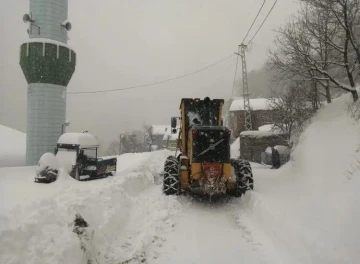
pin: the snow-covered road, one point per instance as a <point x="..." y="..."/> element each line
<point x="131" y="217"/>
<point x="212" y="233"/>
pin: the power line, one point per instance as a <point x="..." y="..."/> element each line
<point x="262" y="22"/>
<point x="254" y="20"/>
<point x="155" y="83"/>
<point x="257" y="15"/>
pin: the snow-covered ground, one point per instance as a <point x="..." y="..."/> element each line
<point x="13" y="147"/>
<point x="305" y="212"/>
<point x="309" y="207"/>
<point x="128" y="211"/>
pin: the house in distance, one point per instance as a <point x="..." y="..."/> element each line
<point x="254" y="143"/>
<point x="260" y="115"/>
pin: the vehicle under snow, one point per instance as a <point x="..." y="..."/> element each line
<point x="48" y="168"/>
<point x="77" y="153"/>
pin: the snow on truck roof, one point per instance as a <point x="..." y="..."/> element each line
<point x="84" y="140"/>
<point x="256" y="104"/>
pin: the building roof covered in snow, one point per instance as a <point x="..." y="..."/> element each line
<point x="257" y="133"/>
<point x="267" y="127"/>
<point x="160" y="129"/>
<point x="84" y="140"/>
<point x="256" y="104"/>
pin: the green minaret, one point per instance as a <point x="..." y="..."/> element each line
<point x="48" y="64"/>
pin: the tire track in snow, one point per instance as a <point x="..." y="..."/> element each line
<point x="211" y="233"/>
<point x="132" y="220"/>
<point x="150" y="216"/>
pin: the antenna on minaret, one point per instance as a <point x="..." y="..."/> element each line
<point x="246" y="95"/>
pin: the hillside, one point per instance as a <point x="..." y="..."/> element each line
<point x="310" y="206"/>
<point x="13" y="147"/>
<point x="259" y="83"/>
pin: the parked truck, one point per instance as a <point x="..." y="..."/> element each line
<point x="78" y="154"/>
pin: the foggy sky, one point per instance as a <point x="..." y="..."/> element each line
<point x="122" y="43"/>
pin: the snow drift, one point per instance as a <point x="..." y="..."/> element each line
<point x="310" y="206"/>
<point x="13" y="147"/>
<point x="127" y="215"/>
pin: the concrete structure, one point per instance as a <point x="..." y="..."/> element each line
<point x="48" y="64"/>
<point x="254" y="143"/>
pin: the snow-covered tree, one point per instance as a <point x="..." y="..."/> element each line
<point x="130" y="142"/>
<point x="114" y="148"/>
<point x="292" y="110"/>
<point x="149" y="136"/>
<point x="318" y="45"/>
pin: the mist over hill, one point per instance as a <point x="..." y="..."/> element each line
<point x="259" y="82"/>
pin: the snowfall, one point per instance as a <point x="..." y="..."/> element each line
<point x="305" y="212"/>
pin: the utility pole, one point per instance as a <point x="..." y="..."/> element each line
<point x="246" y="95"/>
<point x="120" y="144"/>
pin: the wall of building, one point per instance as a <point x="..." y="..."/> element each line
<point x="158" y="141"/>
<point x="258" y="118"/>
<point x="252" y="146"/>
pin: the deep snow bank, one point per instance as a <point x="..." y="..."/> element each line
<point x="310" y="206"/>
<point x="127" y="212"/>
<point x="13" y="147"/>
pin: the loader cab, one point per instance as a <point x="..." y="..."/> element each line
<point x="202" y="129"/>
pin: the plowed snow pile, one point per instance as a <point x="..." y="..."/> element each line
<point x="310" y="207"/>
<point x="13" y="147"/>
<point x="36" y="219"/>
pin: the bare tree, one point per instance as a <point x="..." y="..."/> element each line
<point x="149" y="136"/>
<point x="343" y="14"/>
<point x="315" y="47"/>
<point x="346" y="15"/>
<point x="114" y="148"/>
<point x="128" y="142"/>
<point x="291" y="111"/>
<point x="293" y="46"/>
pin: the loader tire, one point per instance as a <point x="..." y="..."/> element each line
<point x="246" y="172"/>
<point x="244" y="177"/>
<point x="171" y="182"/>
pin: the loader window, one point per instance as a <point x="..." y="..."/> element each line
<point x="200" y="114"/>
<point x="211" y="146"/>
